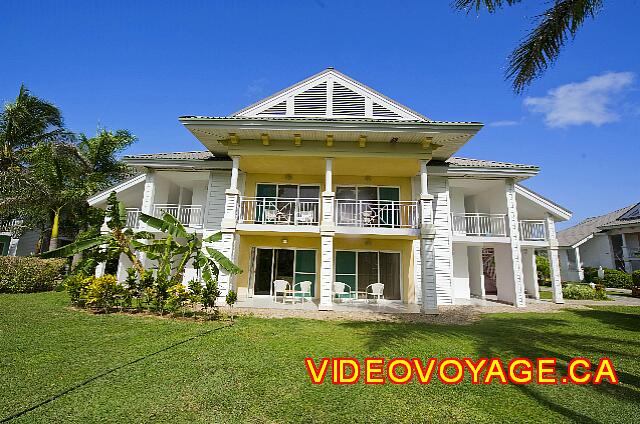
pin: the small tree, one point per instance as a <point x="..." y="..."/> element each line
<point x="231" y="299"/>
<point x="544" y="272"/>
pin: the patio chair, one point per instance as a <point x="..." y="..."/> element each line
<point x="304" y="289"/>
<point x="305" y="217"/>
<point x="270" y="215"/>
<point x="342" y="291"/>
<point x="279" y="286"/>
<point x="376" y="290"/>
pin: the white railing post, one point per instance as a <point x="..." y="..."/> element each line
<point x="554" y="260"/>
<point x="427" y="245"/>
<point x="327" y="232"/>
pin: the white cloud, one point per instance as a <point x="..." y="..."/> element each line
<point x="588" y="102"/>
<point x="506" y="123"/>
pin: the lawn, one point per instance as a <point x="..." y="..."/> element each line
<point x="254" y="372"/>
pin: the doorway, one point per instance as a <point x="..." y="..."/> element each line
<point x="292" y="265"/>
<point x="489" y="271"/>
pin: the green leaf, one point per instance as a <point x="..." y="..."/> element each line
<point x="214" y="237"/>
<point x="168" y="224"/>
<point x="77" y="247"/>
<point x="223" y="261"/>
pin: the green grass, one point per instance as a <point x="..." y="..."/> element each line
<point x="546" y="295"/>
<point x="254" y="372"/>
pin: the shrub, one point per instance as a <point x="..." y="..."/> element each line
<point x="612" y="278"/>
<point x="583" y="292"/>
<point x="617" y="279"/>
<point x="76" y="285"/>
<point x="544" y="272"/>
<point x="104" y="292"/>
<point x="635" y="278"/>
<point x="20" y="274"/>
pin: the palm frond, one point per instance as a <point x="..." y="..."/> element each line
<point x="477" y="5"/>
<point x="223" y="261"/>
<point x="543" y="44"/>
<point x="77" y="247"/>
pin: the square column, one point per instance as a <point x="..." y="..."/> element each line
<point x="514" y="237"/>
<point x="327" y="232"/>
<point x="530" y="272"/>
<point x="554" y="260"/>
<point x="476" y="271"/>
<point x="427" y="246"/>
<point x="13" y="246"/>
<point x="227" y="244"/>
<point x="576" y="252"/>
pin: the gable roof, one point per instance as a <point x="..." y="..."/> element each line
<point x="330" y="94"/>
<point x="581" y="232"/>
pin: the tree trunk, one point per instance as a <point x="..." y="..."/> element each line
<point x="53" y="243"/>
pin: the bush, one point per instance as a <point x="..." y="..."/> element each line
<point x="76" y="285"/>
<point x="544" y="272"/>
<point x="617" y="279"/>
<point x="583" y="292"/>
<point x="635" y="278"/>
<point x="612" y="278"/>
<point x="104" y="292"/>
<point x="20" y="274"/>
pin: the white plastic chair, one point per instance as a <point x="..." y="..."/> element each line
<point x="279" y="286"/>
<point x="342" y="291"/>
<point x="305" y="217"/>
<point x="304" y="288"/>
<point x="376" y="290"/>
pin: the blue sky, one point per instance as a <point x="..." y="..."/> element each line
<point x="139" y="66"/>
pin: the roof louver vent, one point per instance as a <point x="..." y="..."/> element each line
<point x="633" y="213"/>
<point x="347" y="101"/>
<point x="279" y="109"/>
<point x="380" y="111"/>
<point x="312" y="102"/>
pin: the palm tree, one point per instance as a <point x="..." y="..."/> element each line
<point x="24" y="123"/>
<point x="542" y="45"/>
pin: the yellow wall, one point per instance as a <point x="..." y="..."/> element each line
<point x="355" y="243"/>
<point x="403" y="182"/>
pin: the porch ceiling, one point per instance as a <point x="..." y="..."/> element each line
<point x="305" y="165"/>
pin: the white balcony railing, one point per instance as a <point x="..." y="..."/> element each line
<point x="377" y="213"/>
<point x="279" y="211"/>
<point x="479" y="224"/>
<point x="133" y="218"/>
<point x="11" y="226"/>
<point x="532" y="230"/>
<point x="189" y="215"/>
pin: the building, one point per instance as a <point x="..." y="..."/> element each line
<point x="330" y="181"/>
<point x="611" y="240"/>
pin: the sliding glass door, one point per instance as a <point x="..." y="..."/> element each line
<point x="292" y="265"/>
<point x="359" y="269"/>
<point x="287" y="204"/>
<point x="368" y="206"/>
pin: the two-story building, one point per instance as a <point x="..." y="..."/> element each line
<point x="331" y="182"/>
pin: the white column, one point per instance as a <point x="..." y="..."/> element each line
<point x="228" y="243"/>
<point x="13" y="247"/>
<point x="235" y="163"/>
<point x="626" y="253"/>
<point x="576" y="252"/>
<point x="149" y="192"/>
<point x="554" y="260"/>
<point x="476" y="274"/>
<point x="327" y="232"/>
<point x="514" y="237"/>
<point x="529" y="272"/>
<point x="427" y="251"/>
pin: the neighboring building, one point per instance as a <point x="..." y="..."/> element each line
<point x="611" y="241"/>
<point x="330" y="181"/>
<point x="14" y="241"/>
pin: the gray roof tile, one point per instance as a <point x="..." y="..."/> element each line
<point x="573" y="235"/>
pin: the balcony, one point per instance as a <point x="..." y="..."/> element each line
<point x="279" y="211"/>
<point x="532" y="230"/>
<point x="13" y="226"/>
<point x="377" y="213"/>
<point x="479" y="224"/>
<point x="187" y="215"/>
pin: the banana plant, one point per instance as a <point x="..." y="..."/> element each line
<point x="205" y="258"/>
<point x="118" y="240"/>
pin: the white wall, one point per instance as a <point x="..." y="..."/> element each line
<point x="460" y="272"/>
<point x="476" y="274"/>
<point x="529" y="272"/>
<point x="597" y="252"/>
<point x="505" y="282"/>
